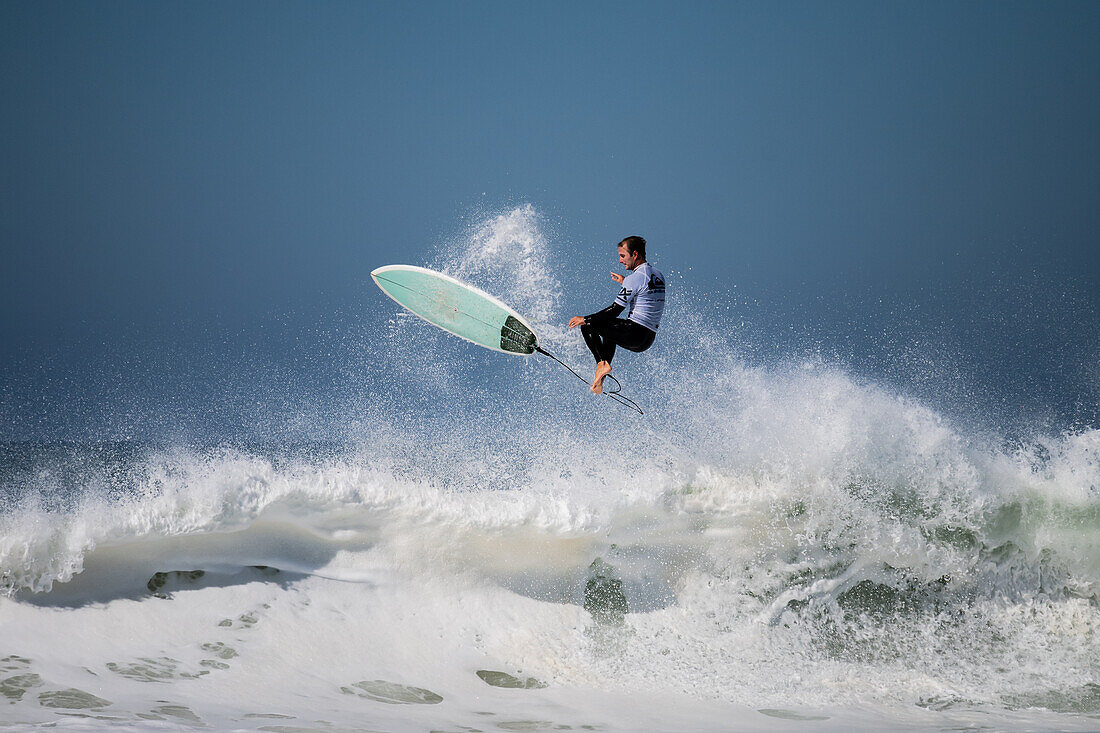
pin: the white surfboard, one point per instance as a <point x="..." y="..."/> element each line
<point x="457" y="308"/>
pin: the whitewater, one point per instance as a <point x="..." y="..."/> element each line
<point x="774" y="547"/>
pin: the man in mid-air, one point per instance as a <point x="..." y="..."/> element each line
<point x="643" y="293"/>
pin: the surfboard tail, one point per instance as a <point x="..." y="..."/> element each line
<point x="516" y="337"/>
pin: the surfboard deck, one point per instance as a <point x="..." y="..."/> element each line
<point x="458" y="308"/>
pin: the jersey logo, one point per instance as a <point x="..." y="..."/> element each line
<point x="656" y="284"/>
<point x="624" y="293"/>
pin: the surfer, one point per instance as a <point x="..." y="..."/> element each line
<point x="643" y="292"/>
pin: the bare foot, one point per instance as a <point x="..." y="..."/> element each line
<point x="603" y="368"/>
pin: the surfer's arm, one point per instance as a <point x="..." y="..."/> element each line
<point x="607" y="314"/>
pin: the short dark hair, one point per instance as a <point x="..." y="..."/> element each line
<point x="634" y="245"/>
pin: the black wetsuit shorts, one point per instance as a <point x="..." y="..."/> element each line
<point x="603" y="331"/>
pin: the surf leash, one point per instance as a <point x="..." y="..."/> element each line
<point x="615" y="394"/>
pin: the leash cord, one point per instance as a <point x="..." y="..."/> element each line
<point x="615" y="394"/>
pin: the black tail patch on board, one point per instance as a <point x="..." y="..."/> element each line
<point x="516" y="338"/>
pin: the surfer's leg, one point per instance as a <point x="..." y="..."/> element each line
<point x="598" y="340"/>
<point x="627" y="334"/>
<point x="632" y="336"/>
<point x="602" y="338"/>
<point x="602" y="345"/>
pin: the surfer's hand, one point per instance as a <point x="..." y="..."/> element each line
<point x="576" y="321"/>
<point x="617" y="277"/>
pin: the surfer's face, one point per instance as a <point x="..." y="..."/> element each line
<point x="629" y="259"/>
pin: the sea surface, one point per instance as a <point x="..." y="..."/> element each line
<point x="781" y="546"/>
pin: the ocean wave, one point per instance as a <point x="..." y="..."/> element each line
<point x="765" y="533"/>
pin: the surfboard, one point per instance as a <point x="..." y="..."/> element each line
<point x="470" y="314"/>
<point x="457" y="308"/>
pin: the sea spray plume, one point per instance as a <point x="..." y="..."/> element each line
<point x="510" y="256"/>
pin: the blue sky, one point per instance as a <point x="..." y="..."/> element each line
<point x="219" y="175"/>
